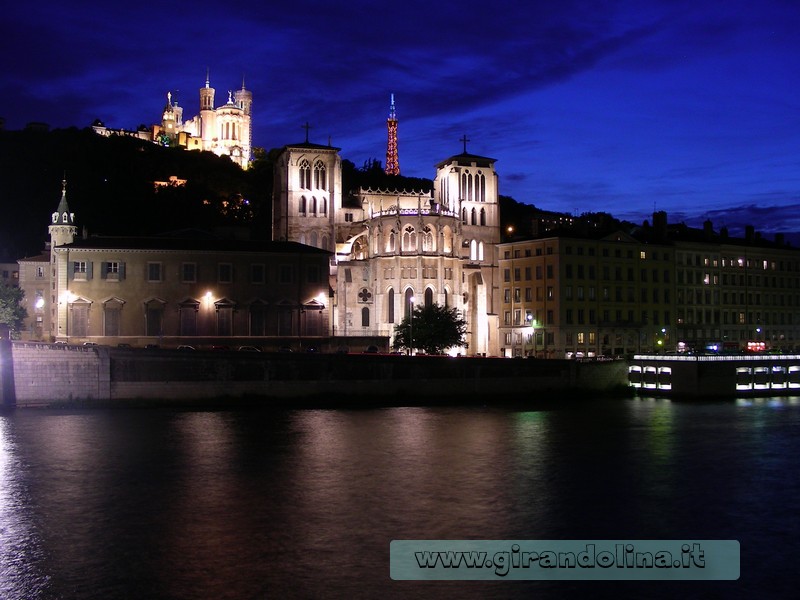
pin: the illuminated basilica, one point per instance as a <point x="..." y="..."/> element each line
<point x="394" y="249"/>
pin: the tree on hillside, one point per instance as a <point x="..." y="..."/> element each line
<point x="12" y="313"/>
<point x="432" y="328"/>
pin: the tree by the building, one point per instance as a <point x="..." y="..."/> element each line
<point x="432" y="328"/>
<point x="12" y="313"/>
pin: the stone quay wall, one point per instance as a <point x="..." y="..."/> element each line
<point x="47" y="375"/>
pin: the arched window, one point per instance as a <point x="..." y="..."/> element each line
<point x="323" y="206"/>
<point x="483" y="216"/>
<point x="480" y="184"/>
<point x="473" y="250"/>
<point x="365" y="317"/>
<point x="447" y="240"/>
<point x="428" y="240"/>
<point x="446" y="298"/>
<point x="313" y="240"/>
<point x="313" y="208"/>
<point x="301" y="207"/>
<point x="428" y="296"/>
<point x="320" y="178"/>
<point x="409" y="239"/>
<point x="474" y="217"/>
<point x="480" y="251"/>
<point x="390" y="306"/>
<point x="464" y="215"/>
<point x="408" y="304"/>
<point x="390" y="242"/>
<point x="305" y="175"/>
<point x="324" y="245"/>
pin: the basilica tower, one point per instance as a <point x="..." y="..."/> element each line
<point x="392" y="159"/>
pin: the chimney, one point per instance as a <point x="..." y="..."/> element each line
<point x="708" y="229"/>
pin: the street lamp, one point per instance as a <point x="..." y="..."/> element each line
<point x="411" y="327"/>
<point x="532" y="325"/>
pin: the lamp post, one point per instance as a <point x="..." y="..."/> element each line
<point x="532" y="324"/>
<point x="411" y="326"/>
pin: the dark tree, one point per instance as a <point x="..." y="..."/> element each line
<point x="433" y="329"/>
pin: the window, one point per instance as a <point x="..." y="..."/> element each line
<point x="285" y="274"/>
<point x="113" y="270"/>
<point x="81" y="270"/>
<point x="225" y="273"/>
<point x="188" y="272"/>
<point x="257" y="274"/>
<point x="39" y="272"/>
<point x="154" y="271"/>
<point x="313" y="274"/>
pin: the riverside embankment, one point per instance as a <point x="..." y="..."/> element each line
<point x="55" y="375"/>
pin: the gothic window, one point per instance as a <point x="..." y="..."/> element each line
<point x="313" y="207"/>
<point x="480" y="186"/>
<point x="324" y="245"/>
<point x="313" y="241"/>
<point x="305" y="175"/>
<point x="446" y="298"/>
<point x="473" y="250"/>
<point x="447" y="240"/>
<point x="365" y="295"/>
<point x="301" y="207"/>
<point x="323" y="206"/>
<point x="390" y="242"/>
<point x="320" y="179"/>
<point x="408" y="304"/>
<point x="409" y="239"/>
<point x="365" y="317"/>
<point x="474" y="220"/>
<point x="428" y="296"/>
<point x="428" y="240"/>
<point x="480" y="251"/>
<point x="483" y="216"/>
<point x="390" y="306"/>
<point x="464" y="216"/>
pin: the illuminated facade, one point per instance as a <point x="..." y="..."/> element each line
<point x="394" y="248"/>
<point x="225" y="130"/>
<point x="192" y="289"/>
<point x="667" y="290"/>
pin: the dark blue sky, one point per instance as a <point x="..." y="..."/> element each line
<point x="692" y="107"/>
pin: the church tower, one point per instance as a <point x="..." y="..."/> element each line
<point x="62" y="223"/>
<point x="207" y="128"/>
<point x="392" y="159"/>
<point x="307" y="194"/>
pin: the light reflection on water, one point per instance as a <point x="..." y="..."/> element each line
<point x="274" y="504"/>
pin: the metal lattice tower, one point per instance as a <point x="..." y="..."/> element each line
<point x="392" y="160"/>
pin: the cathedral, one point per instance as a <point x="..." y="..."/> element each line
<point x="225" y="130"/>
<point x="393" y="249"/>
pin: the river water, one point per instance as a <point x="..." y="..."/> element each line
<point x="169" y="503"/>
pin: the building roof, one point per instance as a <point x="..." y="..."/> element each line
<point x="193" y="243"/>
<point x="465" y="159"/>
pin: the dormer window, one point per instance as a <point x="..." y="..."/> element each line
<point x="65" y="217"/>
<point x="55" y="217"/>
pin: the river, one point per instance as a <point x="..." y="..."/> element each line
<point x="246" y="503"/>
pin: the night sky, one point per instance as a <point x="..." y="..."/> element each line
<point x="688" y="107"/>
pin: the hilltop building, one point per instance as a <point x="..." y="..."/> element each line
<point x="225" y="130"/>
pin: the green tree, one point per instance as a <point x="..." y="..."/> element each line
<point x="12" y="313"/>
<point x="433" y="329"/>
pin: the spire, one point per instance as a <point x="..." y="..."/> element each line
<point x="63" y="216"/>
<point x="392" y="159"/>
<point x="208" y="77"/>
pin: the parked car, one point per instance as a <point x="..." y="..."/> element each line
<point x="248" y="349"/>
<point x="185" y="347"/>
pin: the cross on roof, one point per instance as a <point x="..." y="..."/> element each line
<point x="465" y="140"/>
<point x="306" y="127"/>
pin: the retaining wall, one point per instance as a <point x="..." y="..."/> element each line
<point x="46" y="374"/>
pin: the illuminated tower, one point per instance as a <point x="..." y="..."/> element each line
<point x="392" y="160"/>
